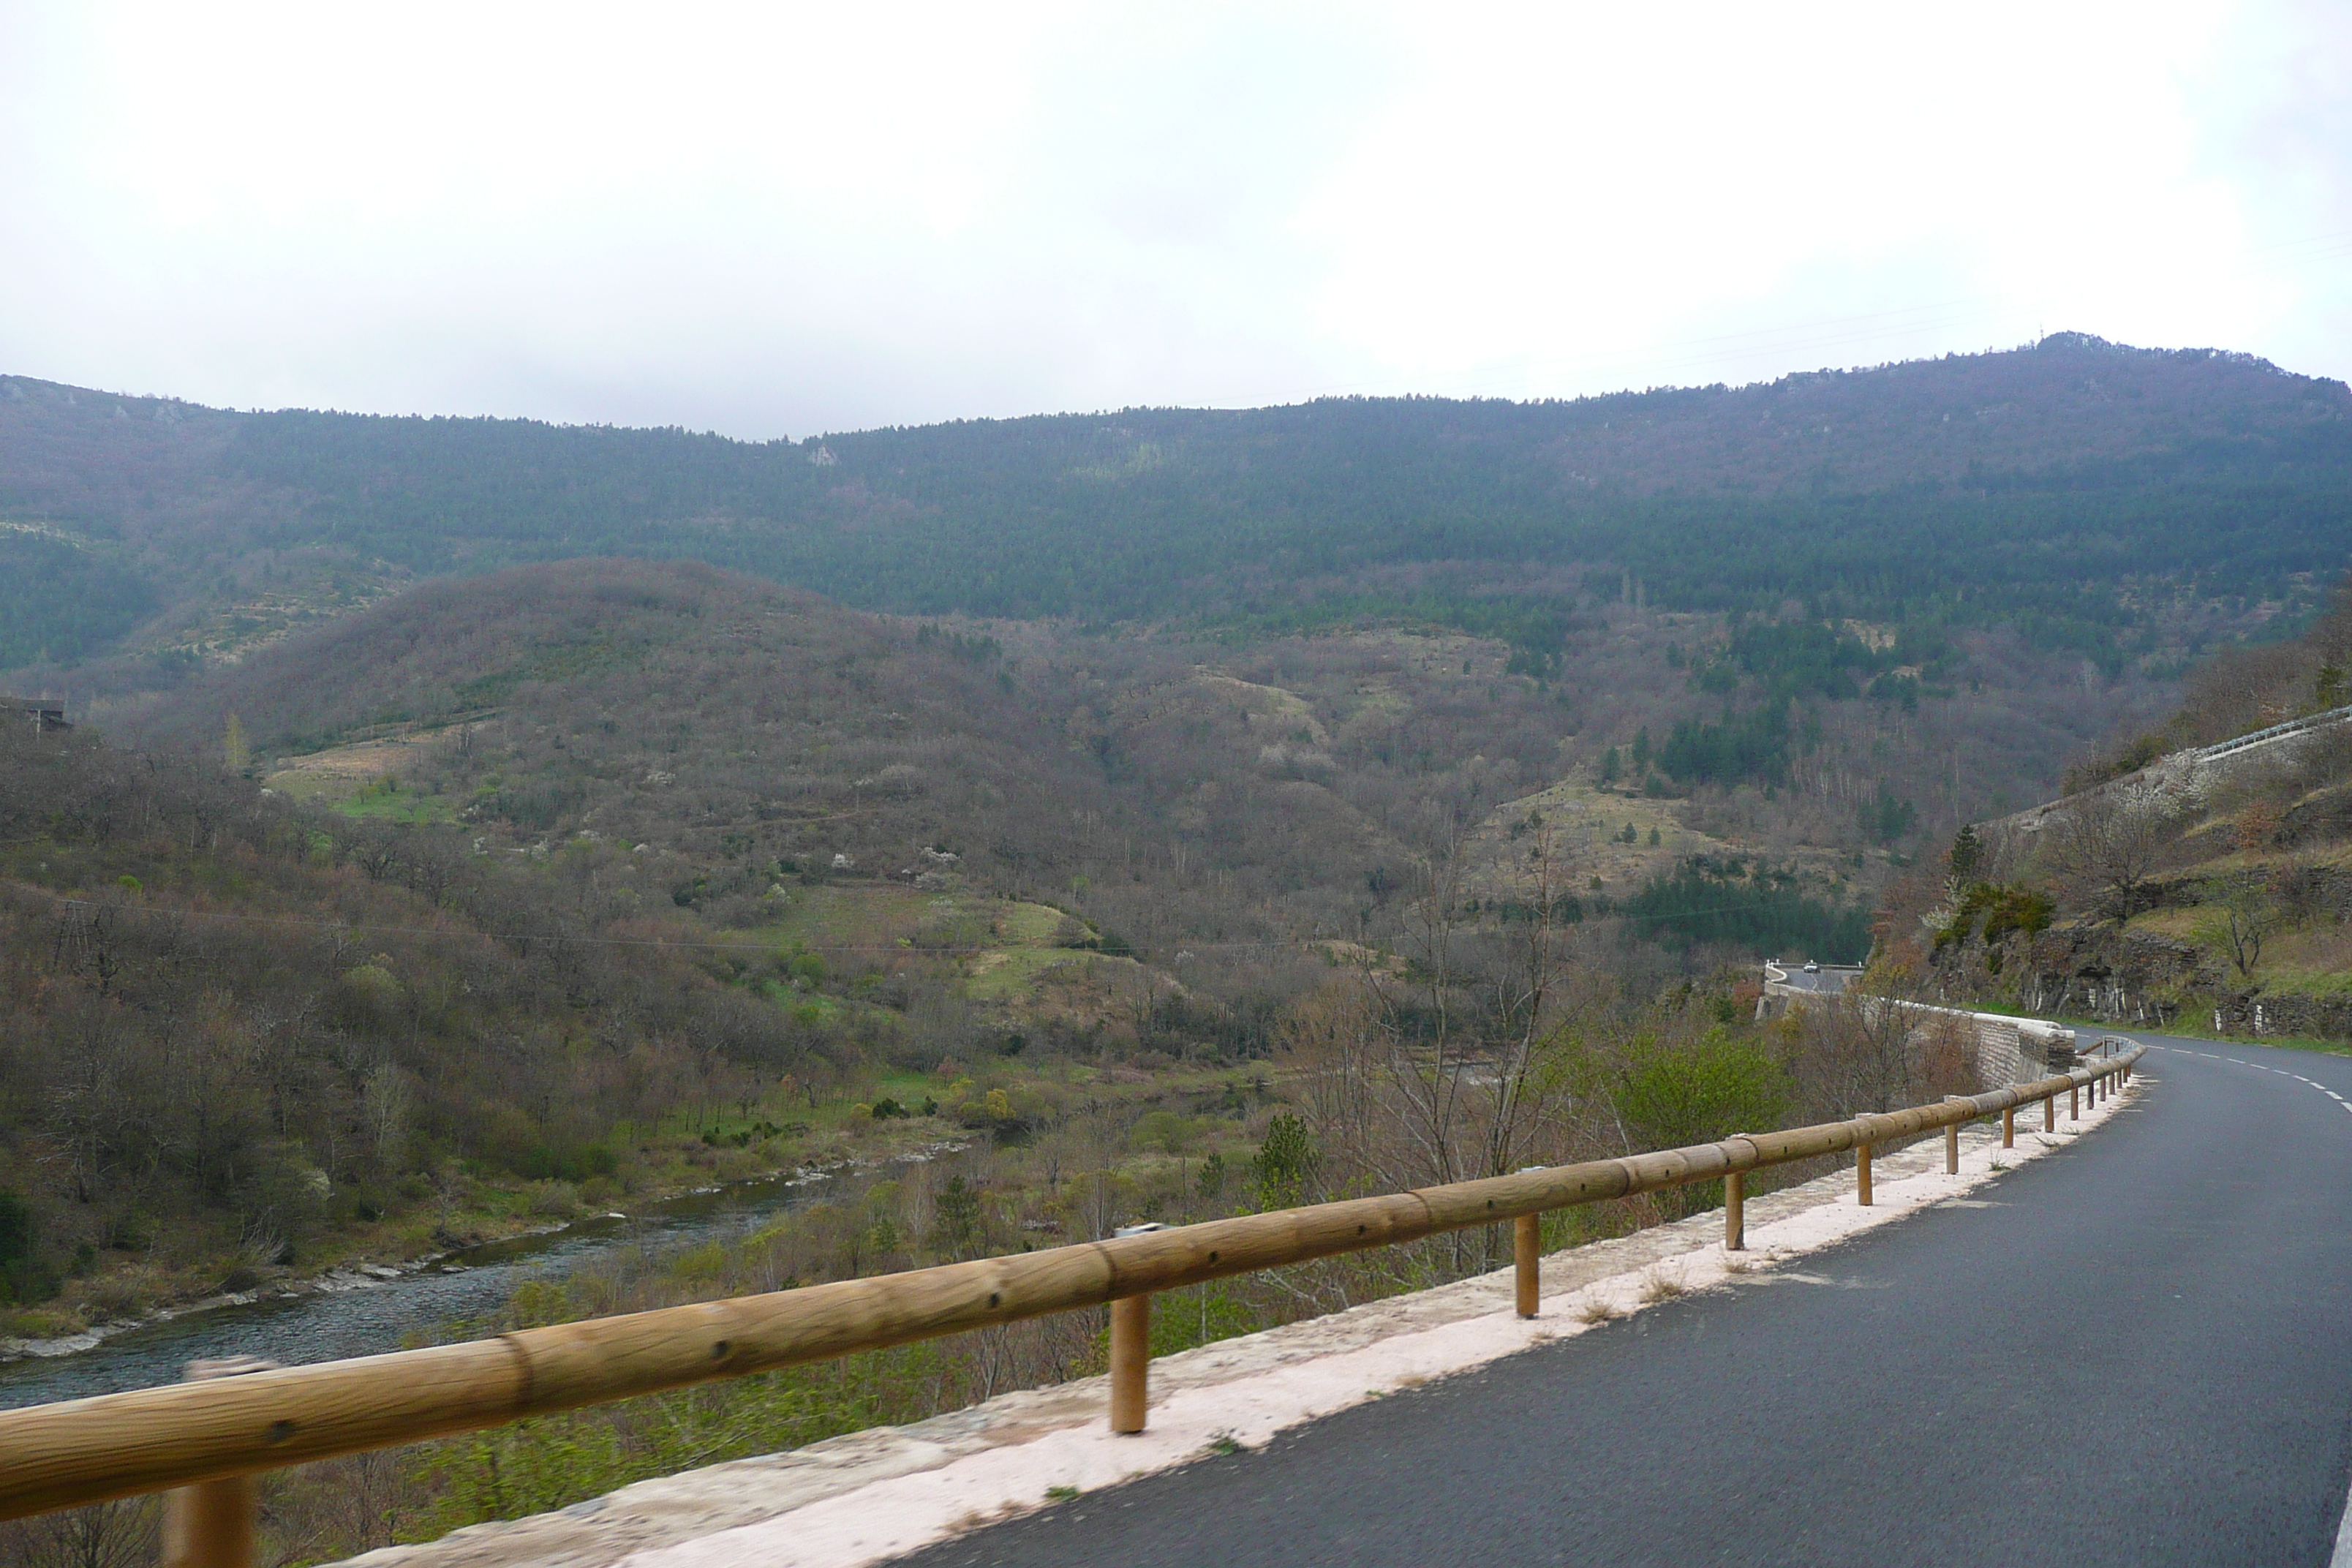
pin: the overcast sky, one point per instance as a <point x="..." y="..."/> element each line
<point x="771" y="219"/>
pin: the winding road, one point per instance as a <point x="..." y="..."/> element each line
<point x="2137" y="1350"/>
<point x="1828" y="981"/>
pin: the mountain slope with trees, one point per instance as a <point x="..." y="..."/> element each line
<point x="2211" y="894"/>
<point x="2079" y="491"/>
<point x="242" y="1037"/>
<point x="737" y="746"/>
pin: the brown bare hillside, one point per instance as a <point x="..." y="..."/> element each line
<point x="743" y="732"/>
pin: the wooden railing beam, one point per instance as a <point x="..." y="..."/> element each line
<point x="151" y="1439"/>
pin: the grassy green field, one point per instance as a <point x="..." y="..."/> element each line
<point x="384" y="798"/>
<point x="1002" y="947"/>
<point x="891" y="914"/>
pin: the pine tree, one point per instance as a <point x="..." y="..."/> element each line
<point x="957" y="1227"/>
<point x="1285" y="1164"/>
<point x="1967" y="854"/>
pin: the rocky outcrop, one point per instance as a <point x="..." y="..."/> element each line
<point x="2135" y="979"/>
<point x="2273" y="1012"/>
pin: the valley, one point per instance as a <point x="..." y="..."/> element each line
<point x="987" y="837"/>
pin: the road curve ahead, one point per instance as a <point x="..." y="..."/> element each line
<point x="2137" y="1350"/>
<point x="1818" y="983"/>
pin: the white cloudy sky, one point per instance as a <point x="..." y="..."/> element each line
<point x="772" y="219"/>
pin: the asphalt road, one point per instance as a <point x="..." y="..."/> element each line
<point x="1826" y="982"/>
<point x="2141" y="1351"/>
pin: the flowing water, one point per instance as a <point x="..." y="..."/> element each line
<point x="365" y="1320"/>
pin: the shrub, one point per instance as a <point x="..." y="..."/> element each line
<point x="2005" y="907"/>
<point x="1702" y="1090"/>
<point x="24" y="1274"/>
<point x="2126" y="759"/>
<point x="1163" y="1131"/>
<point x="1285" y="1164"/>
<point x="563" y="1161"/>
<point x="554" y="1200"/>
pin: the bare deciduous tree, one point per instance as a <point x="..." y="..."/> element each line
<point x="2107" y="845"/>
<point x="2239" y="922"/>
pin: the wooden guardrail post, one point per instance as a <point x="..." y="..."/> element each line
<point x="1862" y="1174"/>
<point x="1952" y="1137"/>
<point x="2073" y="1102"/>
<point x="1527" y="1262"/>
<point x="1130" y="1361"/>
<point x="1735" y="1212"/>
<point x="2050" y="1112"/>
<point x="211" y="1523"/>
<point x="2009" y="1128"/>
<point x="1130" y="1349"/>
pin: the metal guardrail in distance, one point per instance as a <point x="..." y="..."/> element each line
<point x="205" y="1437"/>
<point x="2273" y="733"/>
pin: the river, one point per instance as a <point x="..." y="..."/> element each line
<point x="366" y="1319"/>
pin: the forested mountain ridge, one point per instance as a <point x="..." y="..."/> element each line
<point x="2074" y="487"/>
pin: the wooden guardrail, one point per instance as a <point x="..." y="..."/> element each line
<point x="206" y="1436"/>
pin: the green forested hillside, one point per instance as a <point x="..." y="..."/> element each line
<point x="1148" y="512"/>
<point x="73" y="598"/>
<point x="2074" y="489"/>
